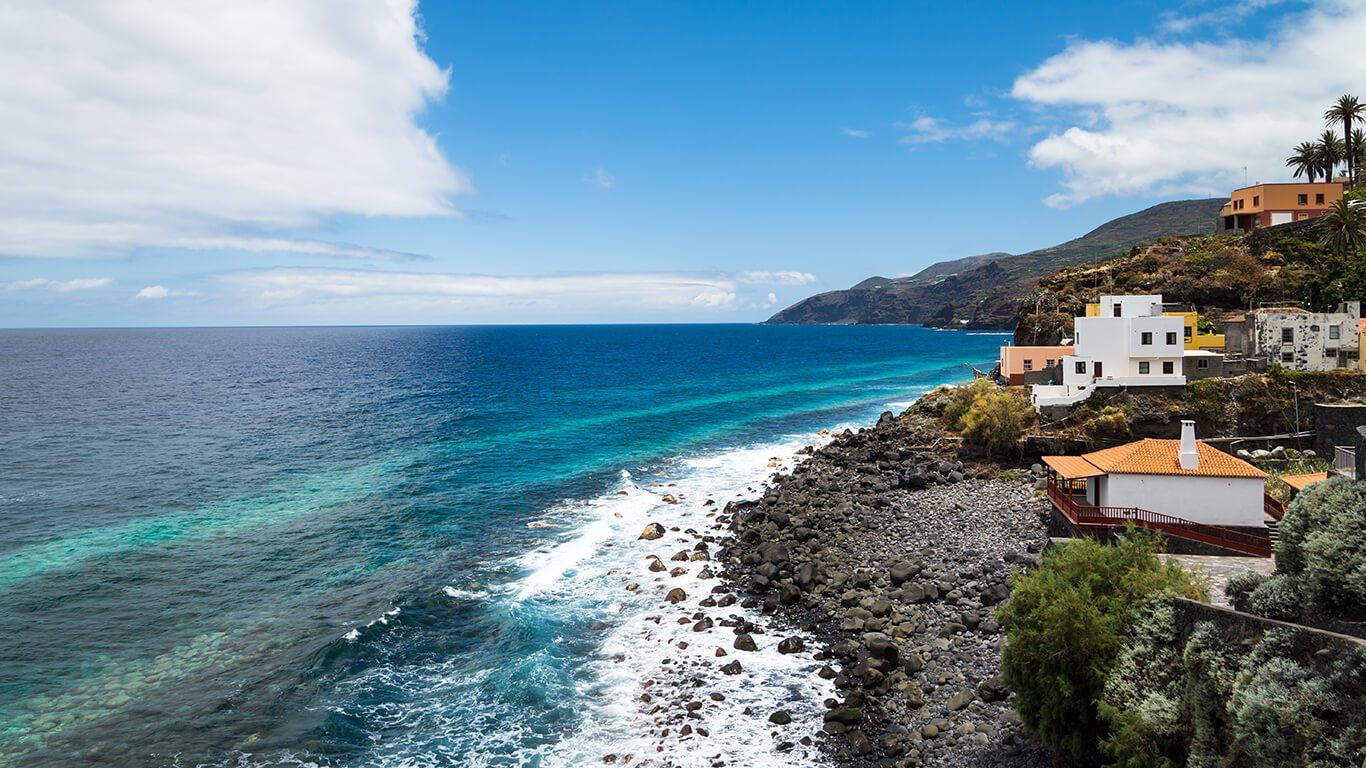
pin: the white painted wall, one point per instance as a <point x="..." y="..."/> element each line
<point x="1117" y="344"/>
<point x="1131" y="306"/>
<point x="1223" y="501"/>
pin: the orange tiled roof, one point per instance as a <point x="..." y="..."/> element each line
<point x="1300" y="482"/>
<point x="1073" y="467"/>
<point x="1158" y="457"/>
<point x="1280" y="311"/>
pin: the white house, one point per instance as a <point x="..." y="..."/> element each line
<point x="1129" y="342"/>
<point x="1184" y="479"/>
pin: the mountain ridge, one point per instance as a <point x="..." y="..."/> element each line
<point x="983" y="292"/>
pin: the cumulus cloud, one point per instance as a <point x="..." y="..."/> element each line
<point x="856" y="133"/>
<point x="61" y="286"/>
<point x="162" y="292"/>
<point x="153" y="122"/>
<point x="1185" y="118"/>
<point x="924" y="130"/>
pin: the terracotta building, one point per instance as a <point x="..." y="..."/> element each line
<point x="1265" y="205"/>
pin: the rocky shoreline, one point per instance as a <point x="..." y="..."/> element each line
<point x="892" y="554"/>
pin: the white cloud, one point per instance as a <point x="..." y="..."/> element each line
<point x="1223" y="15"/>
<point x="932" y="129"/>
<point x="573" y="292"/>
<point x="162" y="292"/>
<point x="776" y="278"/>
<point x="601" y="178"/>
<point x="150" y="122"/>
<point x="1185" y="118"/>
<point x="281" y="245"/>
<point x="61" y="286"/>
<point x="856" y="133"/>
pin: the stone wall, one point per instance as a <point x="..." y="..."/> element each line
<point x="1336" y="424"/>
<point x="1307" y="639"/>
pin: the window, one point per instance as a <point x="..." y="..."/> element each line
<point x="1314" y="328"/>
<point x="1145" y="338"/>
<point x="1302" y="200"/>
<point x="1081" y="367"/>
<point x="1318" y="199"/>
<point x="1202" y="363"/>
<point x="1117" y="310"/>
<point x="1187" y="333"/>
<point x="1168" y="367"/>
<point x="1287" y="335"/>
<point x="1048" y="363"/>
<point x="1028" y="365"/>
<point x="1143" y="367"/>
<point x="1334" y="331"/>
<point x="1287" y="357"/>
<point x="1171" y="337"/>
<point x="1256" y="200"/>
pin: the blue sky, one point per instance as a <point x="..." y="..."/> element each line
<point x="381" y="162"/>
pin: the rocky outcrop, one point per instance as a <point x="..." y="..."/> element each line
<point x="893" y="555"/>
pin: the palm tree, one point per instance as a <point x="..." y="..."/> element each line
<point x="1344" y="111"/>
<point x="1359" y="150"/>
<point x="1329" y="152"/>
<point x="1304" y="160"/>
<point x="1346" y="228"/>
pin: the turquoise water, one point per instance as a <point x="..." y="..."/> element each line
<point x="386" y="546"/>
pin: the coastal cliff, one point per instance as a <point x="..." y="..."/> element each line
<point x="984" y="292"/>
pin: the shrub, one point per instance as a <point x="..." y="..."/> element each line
<point x="1280" y="597"/>
<point x="1065" y="625"/>
<point x="1112" y="421"/>
<point x="1323" y="543"/>
<point x="960" y="400"/>
<point x="1240" y="586"/>
<point x="1142" y="695"/>
<point x="1276" y="709"/>
<point x="997" y="418"/>
<point x="1209" y="397"/>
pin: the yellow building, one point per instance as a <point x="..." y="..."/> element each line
<point x="1190" y="320"/>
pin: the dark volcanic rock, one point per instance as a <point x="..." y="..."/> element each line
<point x="896" y="581"/>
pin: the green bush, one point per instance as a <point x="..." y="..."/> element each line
<point x="1066" y="624"/>
<point x="997" y="418"/>
<point x="1280" y="597"/>
<point x="961" y="400"/>
<point x="1241" y="585"/>
<point x="1112" y="421"/>
<point x="1142" y="695"/>
<point x="1277" y="707"/>
<point x="1323" y="544"/>
<point x="1209" y="398"/>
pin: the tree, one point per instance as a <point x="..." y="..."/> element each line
<point x="1066" y="623"/>
<point x="1323" y="547"/>
<point x="1344" y="111"/>
<point x="1329" y="152"/>
<point x="997" y="417"/>
<point x="1304" y="160"/>
<point x="1346" y="225"/>
<point x="1359" y="150"/>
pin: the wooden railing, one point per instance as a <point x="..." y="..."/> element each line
<point x="1087" y="519"/>
<point x="1272" y="506"/>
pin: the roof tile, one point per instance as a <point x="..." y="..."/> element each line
<point x="1159" y="457"/>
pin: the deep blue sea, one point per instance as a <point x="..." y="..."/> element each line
<point x="400" y="546"/>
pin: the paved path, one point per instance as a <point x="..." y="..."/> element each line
<point x="1219" y="568"/>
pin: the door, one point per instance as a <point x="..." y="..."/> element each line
<point x="1096" y="369"/>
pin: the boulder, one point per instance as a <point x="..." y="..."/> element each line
<point x="745" y="642"/>
<point x="676" y="595"/>
<point x="781" y="717"/>
<point x="793" y="644"/>
<point x="652" y="531"/>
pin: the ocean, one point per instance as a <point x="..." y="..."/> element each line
<point x="404" y="546"/>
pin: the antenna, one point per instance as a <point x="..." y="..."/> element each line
<point x="1245" y="175"/>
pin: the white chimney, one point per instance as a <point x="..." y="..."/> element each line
<point x="1188" y="457"/>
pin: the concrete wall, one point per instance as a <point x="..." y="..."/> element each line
<point x="1336" y="424"/>
<point x="1190" y="366"/>
<point x="1222" y="501"/>
<point x="1310" y="347"/>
